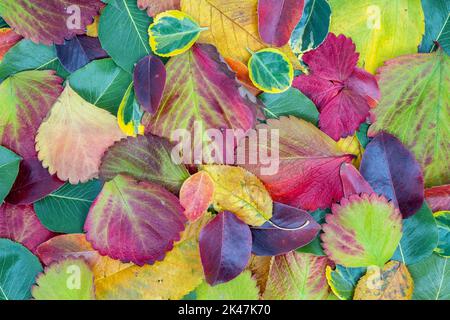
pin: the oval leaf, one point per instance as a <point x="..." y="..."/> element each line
<point x="196" y="195"/>
<point x="431" y="278"/>
<point x="342" y="280"/>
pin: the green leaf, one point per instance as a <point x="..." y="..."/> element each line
<point x="9" y="168"/>
<point x="443" y="223"/>
<point x="101" y="83"/>
<point x="65" y="209"/>
<point x="313" y="27"/>
<point x="26" y="55"/>
<point x="361" y="134"/>
<point x="437" y="25"/>
<point x="123" y="33"/>
<point x="18" y="269"/>
<point x="420" y="237"/>
<point x="431" y="278"/>
<point x="289" y="103"/>
<point x="242" y="287"/>
<point x="343" y="281"/>
<point x="173" y="32"/>
<point x="70" y="279"/>
<point x="3" y="24"/>
<point x="130" y="114"/>
<point x="271" y="71"/>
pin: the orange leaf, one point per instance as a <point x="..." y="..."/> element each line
<point x="242" y="75"/>
<point x="196" y="195"/>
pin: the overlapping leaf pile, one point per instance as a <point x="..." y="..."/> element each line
<point x="94" y="205"/>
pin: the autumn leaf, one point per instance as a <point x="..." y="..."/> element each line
<point x="243" y="287"/>
<point x="155" y="7"/>
<point x="8" y="38"/>
<point x="196" y="195"/>
<point x="353" y="182"/>
<point x="438" y="198"/>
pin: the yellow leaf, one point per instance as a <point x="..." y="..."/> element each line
<point x="260" y="267"/>
<point x="74" y="137"/>
<point x="351" y="145"/>
<point x="232" y="27"/>
<point x="240" y="192"/>
<point x="92" y="29"/>
<point x="381" y="29"/>
<point x="393" y="282"/>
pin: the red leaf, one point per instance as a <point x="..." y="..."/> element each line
<point x="8" y="39"/>
<point x="438" y="198"/>
<point x="353" y="182"/>
<point x="225" y="248"/>
<point x="342" y="92"/>
<point x="196" y="195"/>
<point x="277" y="19"/>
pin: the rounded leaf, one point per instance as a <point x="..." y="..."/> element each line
<point x="196" y="195"/>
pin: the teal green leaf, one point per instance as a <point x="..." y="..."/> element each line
<point x="65" y="209"/>
<point x="361" y="134"/>
<point x="243" y="287"/>
<point x="289" y="103"/>
<point x="9" y="168"/>
<point x="27" y="55"/>
<point x="271" y="71"/>
<point x="3" y="24"/>
<point x="101" y="83"/>
<point x="130" y="114"/>
<point x="431" y="278"/>
<point x="313" y="27"/>
<point x="18" y="269"/>
<point x="443" y="223"/>
<point x="173" y="32"/>
<point x="420" y="237"/>
<point x="123" y="33"/>
<point x="315" y="246"/>
<point x="343" y="281"/>
<point x="437" y="25"/>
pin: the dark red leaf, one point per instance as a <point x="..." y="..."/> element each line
<point x="438" y="198"/>
<point x="149" y="82"/>
<point x="392" y="171"/>
<point x="277" y="19"/>
<point x="32" y="184"/>
<point x="352" y="181"/>
<point x="225" y="248"/>
<point x="294" y="228"/>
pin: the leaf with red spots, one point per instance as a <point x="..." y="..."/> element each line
<point x="8" y="38"/>
<point x="308" y="168"/>
<point x="438" y="198"/>
<point x="225" y="248"/>
<point x="342" y="92"/>
<point x="196" y="195"/>
<point x="134" y="221"/>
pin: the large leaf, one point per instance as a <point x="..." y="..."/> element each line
<point x="381" y="29"/>
<point x="431" y="278"/>
<point x="392" y="171"/>
<point x="18" y="269"/>
<point x="437" y="25"/>
<point x="123" y="33"/>
<point x="240" y="192"/>
<point x="65" y="209"/>
<point x="223" y="17"/>
<point x="9" y="168"/>
<point x="20" y="224"/>
<point x="157" y="6"/>
<point x="201" y="92"/>
<point x="51" y="21"/>
<point x="438" y="198"/>
<point x="134" y="221"/>
<point x="144" y="158"/>
<point x="74" y="137"/>
<point x="101" y="83"/>
<point x="392" y="282"/>
<point x="415" y="108"/>
<point x="225" y="248"/>
<point x="289" y="229"/>
<point x="70" y="279"/>
<point x="8" y="38"/>
<point x="243" y="287"/>
<point x="309" y="161"/>
<point x="342" y="280"/>
<point x="313" y="27"/>
<point x="277" y="19"/>
<point x="351" y="235"/>
<point x="25" y="99"/>
<point x="196" y="195"/>
<point x="297" y="276"/>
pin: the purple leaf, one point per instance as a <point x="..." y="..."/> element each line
<point x="275" y="238"/>
<point x="149" y="82"/>
<point x="32" y="184"/>
<point x="225" y="248"/>
<point x="392" y="171"/>
<point x="79" y="51"/>
<point x="353" y="182"/>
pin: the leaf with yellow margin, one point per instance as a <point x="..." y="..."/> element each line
<point x="232" y="27"/>
<point x="393" y="282"/>
<point x="74" y="137"/>
<point x="381" y="29"/>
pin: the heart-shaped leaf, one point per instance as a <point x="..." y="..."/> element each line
<point x="196" y="195"/>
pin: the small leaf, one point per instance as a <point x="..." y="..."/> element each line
<point x="392" y="282"/>
<point x="342" y="280"/>
<point x="73" y="138"/>
<point x="8" y="38"/>
<point x="443" y="223"/>
<point x="351" y="145"/>
<point x="438" y="198"/>
<point x="431" y="278"/>
<point x="149" y="83"/>
<point x="172" y="33"/>
<point x="196" y="195"/>
<point x="345" y="236"/>
<point x="243" y="287"/>
<point x="271" y="71"/>
<point x="225" y="248"/>
<point x="129" y="115"/>
<point x="155" y="7"/>
<point x="352" y="181"/>
<point x="240" y="192"/>
<point x="70" y="279"/>
<point x="9" y="169"/>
